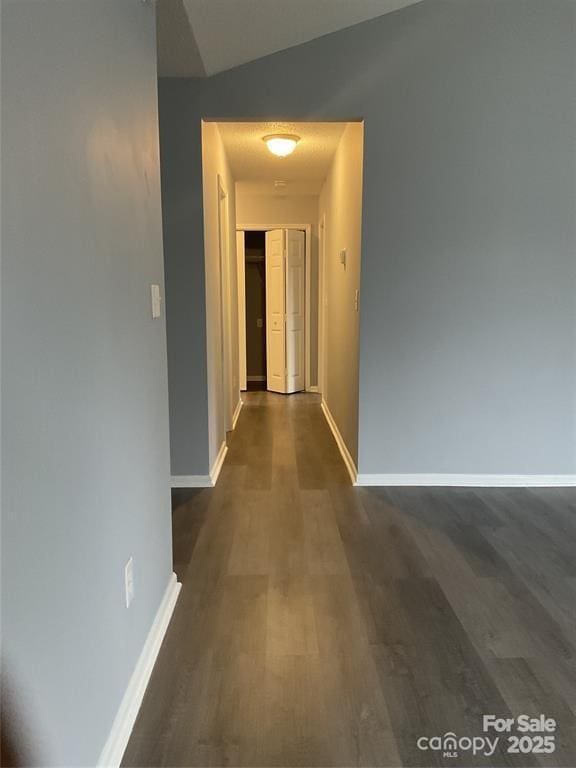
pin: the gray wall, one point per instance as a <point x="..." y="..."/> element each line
<point x="467" y="337"/>
<point x="84" y="391"/>
<point x="181" y="162"/>
<point x="340" y="205"/>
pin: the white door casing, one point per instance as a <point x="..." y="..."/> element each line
<point x="275" y="311"/>
<point x="322" y="307"/>
<point x="295" y="310"/>
<point x="225" y="308"/>
<point x="307" y="229"/>
<point x="241" y="267"/>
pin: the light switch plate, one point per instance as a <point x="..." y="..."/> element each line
<point x="343" y="257"/>
<point x="156" y="299"/>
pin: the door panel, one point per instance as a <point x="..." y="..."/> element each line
<point x="295" y="307"/>
<point x="275" y="311"/>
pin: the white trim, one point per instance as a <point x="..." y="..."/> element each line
<point x="348" y="460"/>
<point x="322" y="318"/>
<point x="313" y="388"/>
<point x="237" y="413"/>
<point x="217" y="466"/>
<point x="190" y="481"/>
<point x="255" y="378"/>
<point x="225" y="299"/>
<point x="241" y="286"/>
<point x="119" y="735"/>
<point x="206" y="481"/>
<point x="307" y="294"/>
<point x="471" y="481"/>
<point x="308" y="247"/>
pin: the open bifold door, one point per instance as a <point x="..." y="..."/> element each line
<point x="285" y="305"/>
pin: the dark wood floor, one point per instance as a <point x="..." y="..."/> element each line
<point x="325" y="625"/>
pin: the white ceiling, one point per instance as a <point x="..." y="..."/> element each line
<point x="303" y="171"/>
<point x="268" y="189"/>
<point x="178" y="54"/>
<point x="228" y="33"/>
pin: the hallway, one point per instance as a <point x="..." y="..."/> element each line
<point x="325" y="625"/>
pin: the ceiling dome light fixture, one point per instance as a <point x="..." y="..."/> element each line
<point x="281" y="144"/>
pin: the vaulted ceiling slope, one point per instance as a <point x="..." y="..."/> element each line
<point x="203" y="37"/>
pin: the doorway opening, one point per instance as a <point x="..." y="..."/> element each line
<point x="282" y="258"/>
<point x="254" y="245"/>
<point x="274" y="338"/>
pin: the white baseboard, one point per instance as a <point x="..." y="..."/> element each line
<point x="205" y="481"/>
<point x="255" y="378"/>
<point x="348" y="460"/>
<point x="312" y="388"/>
<point x="217" y="466"/>
<point x="190" y="481"/>
<point x="113" y="751"/>
<point x="471" y="481"/>
<point x="237" y="413"/>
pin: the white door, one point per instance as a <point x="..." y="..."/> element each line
<point x="295" y="315"/>
<point x="285" y="310"/>
<point x="275" y="311"/>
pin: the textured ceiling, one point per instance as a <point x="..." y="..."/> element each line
<point x="226" y="33"/>
<point x="303" y="171"/>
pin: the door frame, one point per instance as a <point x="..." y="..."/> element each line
<point x="225" y="302"/>
<point x="307" y="255"/>
<point x="322" y="305"/>
<point x="241" y="277"/>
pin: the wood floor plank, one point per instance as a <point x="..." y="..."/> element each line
<point x="291" y="624"/>
<point x="227" y="730"/>
<point x="357" y="719"/>
<point x="293" y="727"/>
<point x="242" y="618"/>
<point x="287" y="546"/>
<point x="250" y="550"/>
<point x="324" y="549"/>
<point x="339" y="624"/>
